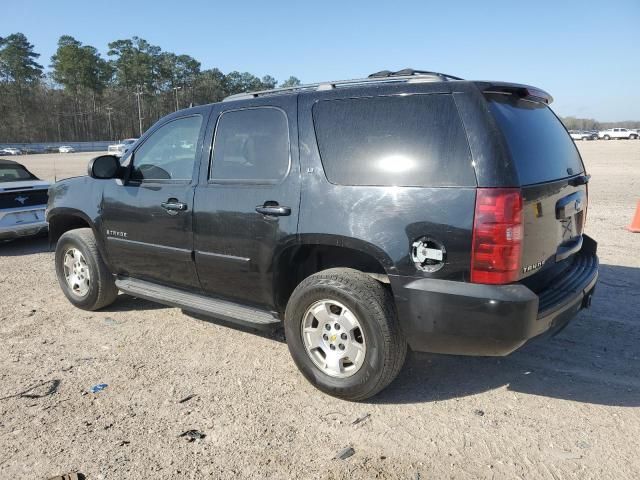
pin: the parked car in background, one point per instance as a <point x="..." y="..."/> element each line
<point x="23" y="200"/>
<point x="10" y="151"/>
<point x="119" y="149"/>
<point x="582" y="135"/>
<point x="66" y="149"/>
<point x="33" y="149"/>
<point x="618" y="134"/>
<point x="321" y="207"/>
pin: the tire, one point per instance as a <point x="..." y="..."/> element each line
<point x="607" y="137"/>
<point x="371" y="304"/>
<point x="100" y="289"/>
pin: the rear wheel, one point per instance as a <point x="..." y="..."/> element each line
<point x="82" y="274"/>
<point x="343" y="333"/>
<point x="607" y="137"/>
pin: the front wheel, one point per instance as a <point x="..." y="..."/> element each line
<point x="82" y="274"/>
<point x="343" y="333"/>
<point x="607" y="137"/>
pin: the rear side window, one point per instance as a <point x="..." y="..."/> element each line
<point x="539" y="145"/>
<point x="251" y="145"/>
<point x="415" y="140"/>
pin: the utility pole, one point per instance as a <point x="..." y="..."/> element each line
<point x="109" y="110"/>
<point x="175" y="89"/>
<point x="139" y="94"/>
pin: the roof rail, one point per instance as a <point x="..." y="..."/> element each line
<point x="385" y="76"/>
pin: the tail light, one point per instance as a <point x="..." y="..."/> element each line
<point x="497" y="236"/>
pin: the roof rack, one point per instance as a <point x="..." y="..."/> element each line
<point x="385" y="76"/>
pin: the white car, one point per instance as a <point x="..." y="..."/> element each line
<point x="66" y="149"/>
<point x="24" y="200"/>
<point x="617" y="133"/>
<point x="581" y="135"/>
<point x="121" y="148"/>
<point x="10" y="151"/>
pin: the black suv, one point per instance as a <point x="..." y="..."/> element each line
<point x="407" y="209"/>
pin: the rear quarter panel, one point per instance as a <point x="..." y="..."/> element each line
<point x="383" y="221"/>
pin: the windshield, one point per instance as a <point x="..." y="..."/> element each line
<point x="14" y="173"/>
<point x="537" y="140"/>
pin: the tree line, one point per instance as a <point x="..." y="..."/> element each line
<point x="85" y="97"/>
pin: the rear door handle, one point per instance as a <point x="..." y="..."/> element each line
<point x="173" y="206"/>
<point x="274" y="210"/>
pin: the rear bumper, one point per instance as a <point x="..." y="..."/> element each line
<point x="24" y="222"/>
<point x="461" y="318"/>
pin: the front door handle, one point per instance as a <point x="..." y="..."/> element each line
<point x="173" y="206"/>
<point x="273" y="210"/>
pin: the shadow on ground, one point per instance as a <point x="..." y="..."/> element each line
<point x="24" y="246"/>
<point x="596" y="359"/>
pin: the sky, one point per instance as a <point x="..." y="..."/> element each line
<point x="582" y="52"/>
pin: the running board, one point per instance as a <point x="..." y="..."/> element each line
<point x="197" y="303"/>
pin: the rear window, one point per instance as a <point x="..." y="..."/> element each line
<point x="415" y="140"/>
<point x="14" y="173"/>
<point x="539" y="144"/>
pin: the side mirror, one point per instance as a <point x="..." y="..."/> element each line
<point x="105" y="167"/>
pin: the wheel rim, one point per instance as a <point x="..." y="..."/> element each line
<point x="76" y="272"/>
<point x="333" y="338"/>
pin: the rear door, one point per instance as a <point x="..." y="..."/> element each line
<point x="553" y="180"/>
<point x="247" y="201"/>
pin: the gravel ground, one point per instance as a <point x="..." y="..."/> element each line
<point x="565" y="407"/>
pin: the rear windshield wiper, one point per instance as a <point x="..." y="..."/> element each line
<point x="579" y="180"/>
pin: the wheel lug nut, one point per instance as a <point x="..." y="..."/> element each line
<point x="332" y="346"/>
<point x="327" y="326"/>
<point x="337" y="326"/>
<point x="325" y="336"/>
<point x="341" y="346"/>
<point x="343" y="336"/>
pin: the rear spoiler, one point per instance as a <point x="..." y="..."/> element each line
<point x="522" y="91"/>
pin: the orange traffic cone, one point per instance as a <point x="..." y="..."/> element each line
<point x="635" y="223"/>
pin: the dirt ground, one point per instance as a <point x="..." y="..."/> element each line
<point x="565" y="407"/>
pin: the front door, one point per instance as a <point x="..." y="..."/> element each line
<point x="148" y="221"/>
<point x="246" y="204"/>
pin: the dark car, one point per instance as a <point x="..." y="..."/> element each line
<point x="406" y="210"/>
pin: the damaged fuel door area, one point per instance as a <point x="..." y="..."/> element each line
<point x="428" y="254"/>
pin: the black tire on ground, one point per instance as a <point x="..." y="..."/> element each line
<point x="372" y="303"/>
<point x="606" y="137"/>
<point x="102" y="288"/>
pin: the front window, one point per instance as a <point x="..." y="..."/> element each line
<point x="163" y="155"/>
